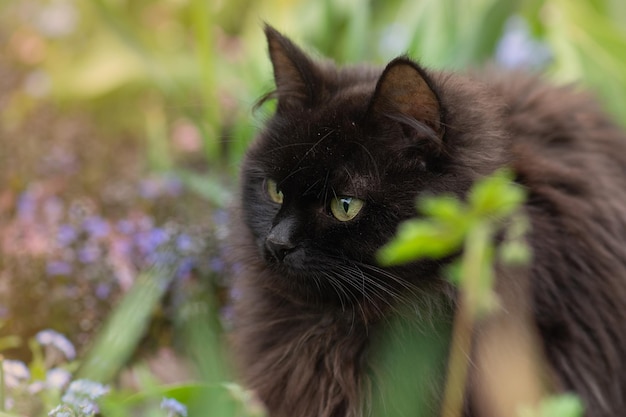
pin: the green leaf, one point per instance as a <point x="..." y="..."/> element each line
<point x="37" y="364"/>
<point x="120" y="335"/>
<point x="447" y="209"/>
<point x="515" y="252"/>
<point x="566" y="405"/>
<point x="421" y="239"/>
<point x="496" y="196"/>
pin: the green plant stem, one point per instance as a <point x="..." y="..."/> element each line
<point x="202" y="25"/>
<point x="472" y="268"/>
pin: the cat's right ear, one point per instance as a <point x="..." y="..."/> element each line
<point x="404" y="95"/>
<point x="295" y="74"/>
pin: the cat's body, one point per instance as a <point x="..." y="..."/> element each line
<point x="303" y="324"/>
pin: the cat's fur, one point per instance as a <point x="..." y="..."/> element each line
<point x="304" y="324"/>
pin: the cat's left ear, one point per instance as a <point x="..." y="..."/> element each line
<point x="296" y="75"/>
<point x="404" y="95"/>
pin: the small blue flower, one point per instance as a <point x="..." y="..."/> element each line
<point x="51" y="337"/>
<point x="173" y="407"/>
<point x="184" y="243"/>
<point x="57" y="378"/>
<point x="82" y="394"/>
<point x="15" y="372"/>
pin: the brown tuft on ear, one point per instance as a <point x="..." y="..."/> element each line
<point x="403" y="94"/>
<point x="295" y="74"/>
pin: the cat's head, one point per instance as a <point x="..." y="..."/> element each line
<point x="339" y="165"/>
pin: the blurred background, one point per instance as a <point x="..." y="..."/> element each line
<point x="122" y="124"/>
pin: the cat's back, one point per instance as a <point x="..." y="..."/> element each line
<point x="557" y="123"/>
<point x="571" y="157"/>
<point x="560" y="138"/>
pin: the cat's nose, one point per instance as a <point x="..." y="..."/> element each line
<point x="280" y="240"/>
<point x="278" y="248"/>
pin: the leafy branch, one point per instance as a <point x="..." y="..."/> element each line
<point x="449" y="226"/>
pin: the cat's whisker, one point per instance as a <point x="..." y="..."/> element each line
<point x="338" y="289"/>
<point x="366" y="294"/>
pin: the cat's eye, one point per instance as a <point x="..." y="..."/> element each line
<point x="345" y="208"/>
<point x="273" y="191"/>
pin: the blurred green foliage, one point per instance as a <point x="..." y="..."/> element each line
<point x="143" y="65"/>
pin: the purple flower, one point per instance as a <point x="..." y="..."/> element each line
<point x="66" y="234"/>
<point x="26" y="206"/>
<point x="56" y="268"/>
<point x="96" y="227"/>
<point x="517" y="48"/>
<point x="173" y="407"/>
<point x="184" y="267"/>
<point x="184" y="243"/>
<point x="103" y="290"/>
<point x="89" y="253"/>
<point x="149" y="241"/>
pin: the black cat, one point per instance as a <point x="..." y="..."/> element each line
<point x="340" y="165"/>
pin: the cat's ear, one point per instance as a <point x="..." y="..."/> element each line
<point x="295" y="74"/>
<point x="404" y="95"/>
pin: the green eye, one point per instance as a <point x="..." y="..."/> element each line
<point x="272" y="190"/>
<point x="345" y="208"/>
